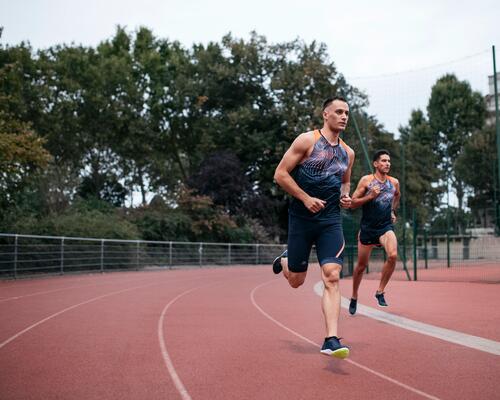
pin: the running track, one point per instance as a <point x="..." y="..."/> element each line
<point x="235" y="333"/>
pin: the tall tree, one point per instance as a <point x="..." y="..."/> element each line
<point x="455" y="111"/>
<point x="476" y="166"/>
<point x="422" y="166"/>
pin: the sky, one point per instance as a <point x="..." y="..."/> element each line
<point x="394" y="50"/>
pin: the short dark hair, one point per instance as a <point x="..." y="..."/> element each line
<point x="379" y="153"/>
<point x="330" y="100"/>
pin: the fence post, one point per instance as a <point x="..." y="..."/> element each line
<point x="137" y="255"/>
<point x="200" y="251"/>
<point x="102" y="255"/>
<point x="15" y="256"/>
<point x="62" y="256"/>
<point x="229" y="254"/>
<point x="414" y="245"/>
<point x="425" y="247"/>
<point x="257" y="254"/>
<point x="170" y="254"/>
<point x="448" y="249"/>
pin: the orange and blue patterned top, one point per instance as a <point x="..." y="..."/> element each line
<point x="320" y="176"/>
<point x="377" y="212"/>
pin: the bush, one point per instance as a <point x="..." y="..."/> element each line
<point x="79" y="221"/>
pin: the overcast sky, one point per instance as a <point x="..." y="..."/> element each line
<point x="384" y="47"/>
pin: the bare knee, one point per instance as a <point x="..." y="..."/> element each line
<point x="392" y="257"/>
<point x="296" y="280"/>
<point x="331" y="275"/>
<point x="360" y="268"/>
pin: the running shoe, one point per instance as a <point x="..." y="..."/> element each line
<point x="277" y="267"/>
<point x="380" y="299"/>
<point x="352" y="306"/>
<point x="333" y="347"/>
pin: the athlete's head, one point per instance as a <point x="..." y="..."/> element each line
<point x="335" y="113"/>
<point x="382" y="161"/>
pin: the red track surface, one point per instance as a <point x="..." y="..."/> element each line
<point x="235" y="333"/>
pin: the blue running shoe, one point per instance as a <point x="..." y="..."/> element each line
<point x="277" y="267"/>
<point x="333" y="347"/>
<point x="381" y="299"/>
<point x="352" y="306"/>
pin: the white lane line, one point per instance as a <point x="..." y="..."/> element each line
<point x="379" y="374"/>
<point x="61" y="289"/>
<point x="463" y="339"/>
<point x="4" y="343"/>
<point x="166" y="357"/>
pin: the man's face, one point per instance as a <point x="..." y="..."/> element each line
<point x="336" y="115"/>
<point x="383" y="164"/>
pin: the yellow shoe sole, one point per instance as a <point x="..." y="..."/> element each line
<point x="340" y="353"/>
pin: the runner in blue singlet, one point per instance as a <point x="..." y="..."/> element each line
<point x="316" y="171"/>
<point x="379" y="195"/>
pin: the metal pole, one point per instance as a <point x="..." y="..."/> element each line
<point x="137" y="255"/>
<point x="403" y="195"/>
<point x="425" y="247"/>
<point x="229" y="254"/>
<point x="414" y="217"/>
<point x="170" y="254"/>
<point x="200" y="254"/>
<point x="62" y="256"/>
<point x="363" y="146"/>
<point x="448" y="226"/>
<point x="15" y="256"/>
<point x="102" y="255"/>
<point x="497" y="128"/>
<point x="257" y="254"/>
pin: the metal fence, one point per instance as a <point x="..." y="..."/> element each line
<point x="462" y="258"/>
<point x="30" y="254"/>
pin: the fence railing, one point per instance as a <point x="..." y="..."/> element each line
<point x="30" y="254"/>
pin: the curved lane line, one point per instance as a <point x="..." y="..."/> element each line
<point x="60" y="289"/>
<point x="463" y="339"/>
<point x="4" y="343"/>
<point x="379" y="374"/>
<point x="166" y="357"/>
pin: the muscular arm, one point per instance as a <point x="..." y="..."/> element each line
<point x="345" y="187"/>
<point x="397" y="196"/>
<point x="395" y="201"/>
<point x="294" y="155"/>
<point x="360" y="196"/>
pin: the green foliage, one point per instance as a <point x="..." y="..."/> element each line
<point x="196" y="218"/>
<point x="22" y="156"/>
<point x="422" y="172"/>
<point x="455" y="112"/>
<point x="477" y="167"/>
<point x="81" y="220"/>
<point x="143" y="114"/>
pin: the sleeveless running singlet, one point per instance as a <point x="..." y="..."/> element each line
<point x="377" y="212"/>
<point x="320" y="176"/>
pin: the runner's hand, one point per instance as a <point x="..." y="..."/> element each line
<point x="314" y="205"/>
<point x="345" y="201"/>
<point x="375" y="191"/>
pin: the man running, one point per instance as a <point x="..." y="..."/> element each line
<point x="379" y="195"/>
<point x="316" y="171"/>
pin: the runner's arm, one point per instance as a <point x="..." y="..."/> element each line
<point x="294" y="155"/>
<point x="395" y="200"/>
<point x="345" y="187"/>
<point x="360" y="196"/>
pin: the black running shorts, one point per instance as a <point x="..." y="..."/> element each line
<point x="372" y="237"/>
<point x="303" y="233"/>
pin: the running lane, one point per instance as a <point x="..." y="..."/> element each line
<point x="228" y="333"/>
<point x="95" y="341"/>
